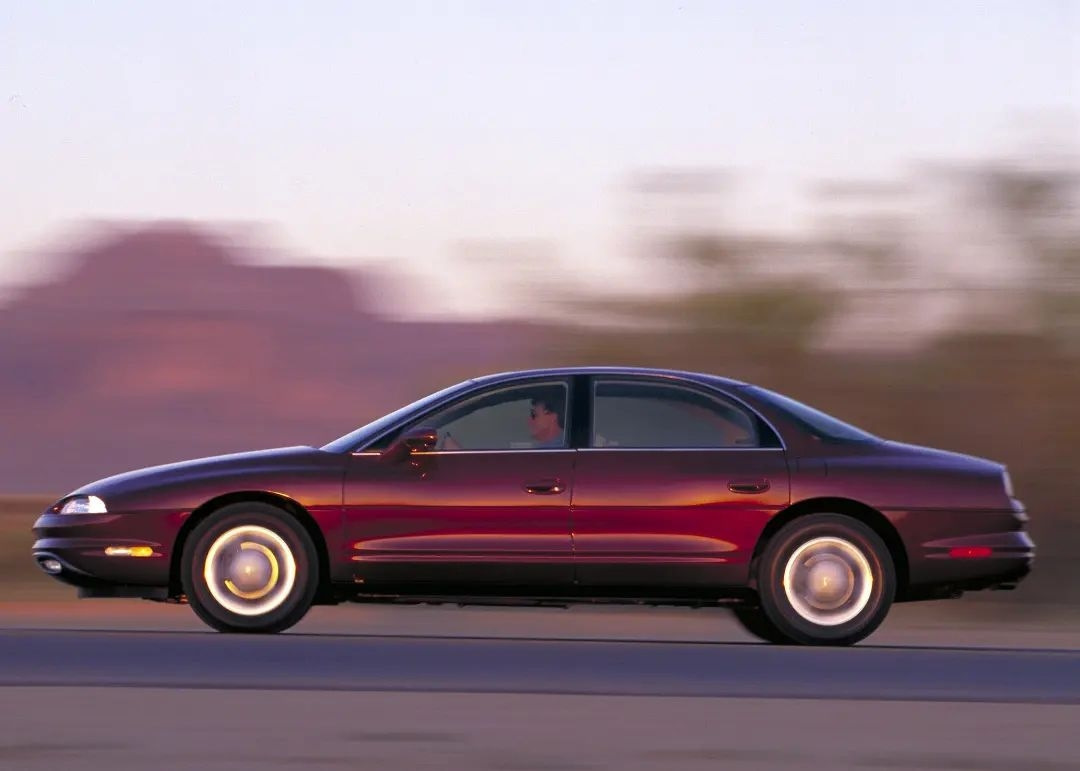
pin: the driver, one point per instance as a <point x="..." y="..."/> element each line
<point x="546" y="417"/>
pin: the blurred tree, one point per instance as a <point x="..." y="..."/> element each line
<point x="864" y="224"/>
<point x="723" y="301"/>
<point x="749" y="308"/>
<point x="1038" y="209"/>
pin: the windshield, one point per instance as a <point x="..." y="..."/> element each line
<point x="815" y="421"/>
<point x="366" y="433"/>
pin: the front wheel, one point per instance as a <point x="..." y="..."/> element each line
<point x="250" y="567"/>
<point x="825" y="579"/>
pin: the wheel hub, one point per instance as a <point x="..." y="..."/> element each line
<point x="253" y="572"/>
<point x="828" y="581"/>
<point x="250" y="570"/>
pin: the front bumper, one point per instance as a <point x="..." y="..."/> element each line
<point x="89" y="550"/>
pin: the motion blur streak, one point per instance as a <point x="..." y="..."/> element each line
<point x="948" y="316"/>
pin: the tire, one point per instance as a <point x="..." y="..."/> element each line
<point x="754" y="621"/>
<point x="826" y="579"/>
<point x="250" y="567"/>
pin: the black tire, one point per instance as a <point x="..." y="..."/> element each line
<point x="268" y="531"/>
<point x="754" y="621"/>
<point x="847" y="553"/>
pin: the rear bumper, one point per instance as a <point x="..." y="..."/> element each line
<point x="949" y="566"/>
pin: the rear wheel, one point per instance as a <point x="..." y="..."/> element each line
<point x="250" y="567"/>
<point x="826" y="579"/>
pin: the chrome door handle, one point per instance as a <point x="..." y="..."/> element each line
<point x="748" y="486"/>
<point x="545" y="487"/>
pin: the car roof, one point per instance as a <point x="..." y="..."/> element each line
<point x="701" y="377"/>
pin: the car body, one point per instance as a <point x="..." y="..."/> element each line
<point x="653" y="486"/>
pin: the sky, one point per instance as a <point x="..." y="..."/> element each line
<point x="393" y="132"/>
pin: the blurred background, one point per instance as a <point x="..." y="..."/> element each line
<point x="233" y="226"/>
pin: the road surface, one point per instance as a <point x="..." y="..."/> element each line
<point x="550" y="666"/>
<point x="512" y="690"/>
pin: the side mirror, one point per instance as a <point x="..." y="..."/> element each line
<point x="420" y="439"/>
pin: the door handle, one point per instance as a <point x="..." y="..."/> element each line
<point x="748" y="486"/>
<point x="545" y="487"/>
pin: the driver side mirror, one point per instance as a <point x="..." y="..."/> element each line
<point x="420" y="439"/>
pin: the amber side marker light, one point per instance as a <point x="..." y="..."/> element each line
<point x="129" y="551"/>
<point x="970" y="552"/>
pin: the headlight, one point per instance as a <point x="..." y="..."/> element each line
<point x="83" y="504"/>
<point x="1007" y="481"/>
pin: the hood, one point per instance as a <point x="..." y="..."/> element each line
<point x="259" y="460"/>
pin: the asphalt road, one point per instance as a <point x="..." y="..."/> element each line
<point x="477" y="689"/>
<point x="89" y="729"/>
<point x="535" y="666"/>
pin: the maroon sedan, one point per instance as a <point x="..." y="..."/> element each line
<point x="558" y="486"/>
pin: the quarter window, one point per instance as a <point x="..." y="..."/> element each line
<point x="653" y="415"/>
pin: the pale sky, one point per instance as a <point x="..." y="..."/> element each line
<point x="391" y="131"/>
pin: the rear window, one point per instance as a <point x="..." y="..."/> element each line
<point x="816" y="422"/>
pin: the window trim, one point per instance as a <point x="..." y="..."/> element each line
<point x="681" y="449"/>
<point x="689" y="385"/>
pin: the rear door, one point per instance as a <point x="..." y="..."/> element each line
<point x="673" y="486"/>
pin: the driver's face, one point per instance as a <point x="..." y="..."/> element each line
<point x="542" y="423"/>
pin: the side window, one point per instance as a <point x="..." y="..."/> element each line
<point x="647" y="415"/>
<point x="525" y="417"/>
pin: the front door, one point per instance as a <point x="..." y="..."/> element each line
<point x="674" y="488"/>
<point x="488" y="507"/>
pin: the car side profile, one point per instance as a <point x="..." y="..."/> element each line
<point x="558" y="486"/>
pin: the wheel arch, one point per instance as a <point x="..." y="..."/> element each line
<point x="283" y="502"/>
<point x="868" y="515"/>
